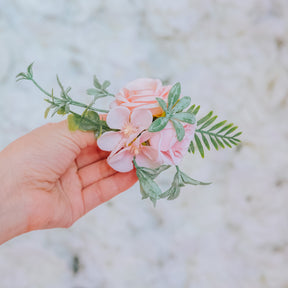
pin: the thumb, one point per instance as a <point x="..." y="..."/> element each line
<point x="79" y="139"/>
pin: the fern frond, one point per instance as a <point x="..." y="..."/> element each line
<point x="216" y="135"/>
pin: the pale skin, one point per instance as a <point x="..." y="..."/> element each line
<point x="51" y="177"/>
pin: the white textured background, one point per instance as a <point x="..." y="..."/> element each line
<point x="231" y="56"/>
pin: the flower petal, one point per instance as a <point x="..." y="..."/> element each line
<point x="148" y="157"/>
<point x="117" y="117"/>
<point x="121" y="161"/>
<point x="141" y="119"/>
<point x="144" y="83"/>
<point x="109" y="140"/>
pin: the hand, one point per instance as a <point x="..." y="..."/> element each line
<point x="51" y="177"/>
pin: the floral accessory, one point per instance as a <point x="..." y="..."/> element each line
<point x="150" y="127"/>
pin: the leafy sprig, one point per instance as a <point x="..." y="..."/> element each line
<point x="210" y="134"/>
<point x="150" y="189"/>
<point x="99" y="90"/>
<point x="89" y="120"/>
<point x="173" y="111"/>
<point x="180" y="180"/>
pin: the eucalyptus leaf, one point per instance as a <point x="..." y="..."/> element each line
<point x="180" y="131"/>
<point x="182" y="104"/>
<point x="158" y="124"/>
<point x="185" y="117"/>
<point x="162" y="104"/>
<point x="174" y="95"/>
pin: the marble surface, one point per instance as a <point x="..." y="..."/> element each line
<point x="231" y="56"/>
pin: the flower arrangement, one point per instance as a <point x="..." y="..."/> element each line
<point x="149" y="127"/>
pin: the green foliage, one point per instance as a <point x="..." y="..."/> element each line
<point x="99" y="90"/>
<point x="26" y="76"/>
<point x="150" y="189"/>
<point x="174" y="112"/>
<point x="180" y="180"/>
<point x="88" y="121"/>
<point x="210" y="134"/>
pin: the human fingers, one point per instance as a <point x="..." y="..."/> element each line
<point x="107" y="188"/>
<point x="94" y="172"/>
<point x="90" y="155"/>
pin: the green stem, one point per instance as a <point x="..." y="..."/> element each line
<point x="216" y="135"/>
<point x="40" y="88"/>
<point x="74" y="103"/>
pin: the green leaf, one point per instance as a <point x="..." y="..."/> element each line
<point x="181" y="104"/>
<point x="199" y="145"/>
<point x="180" y="131"/>
<point x="174" y="192"/>
<point x="196" y="110"/>
<point x="225" y="128"/>
<point x="153" y="173"/>
<point x="93" y="91"/>
<point x="231" y="130"/>
<point x="158" y="124"/>
<point x="67" y="108"/>
<point x="226" y="143"/>
<point x="73" y="122"/>
<point x="191" y="108"/>
<point x="204" y="139"/>
<point x="149" y="186"/>
<point x="89" y="121"/>
<point x="205" y="118"/>
<point x="233" y="142"/>
<point x="30" y="70"/>
<point x="61" y="110"/>
<point x="218" y="125"/>
<point x="219" y="142"/>
<point x="162" y="104"/>
<point x="143" y="193"/>
<point x="47" y="112"/>
<point x="208" y="123"/>
<point x="185" y="117"/>
<point x="96" y="82"/>
<point x="213" y="142"/>
<point x="191" y="147"/>
<point x="174" y="95"/>
<point x="237" y="134"/>
<point x="105" y="84"/>
<point x="188" y="180"/>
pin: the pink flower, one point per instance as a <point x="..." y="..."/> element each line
<point x="145" y="156"/>
<point x="142" y="93"/>
<point x="171" y="150"/>
<point x="130" y="126"/>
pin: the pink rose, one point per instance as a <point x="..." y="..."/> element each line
<point x="171" y="150"/>
<point x="142" y="93"/>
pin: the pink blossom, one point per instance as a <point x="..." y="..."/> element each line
<point x="142" y="93"/>
<point x="171" y="150"/>
<point x="145" y="155"/>
<point x="130" y="127"/>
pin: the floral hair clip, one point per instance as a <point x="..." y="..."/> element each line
<point x="149" y="126"/>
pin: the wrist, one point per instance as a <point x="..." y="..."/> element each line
<point x="13" y="211"/>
